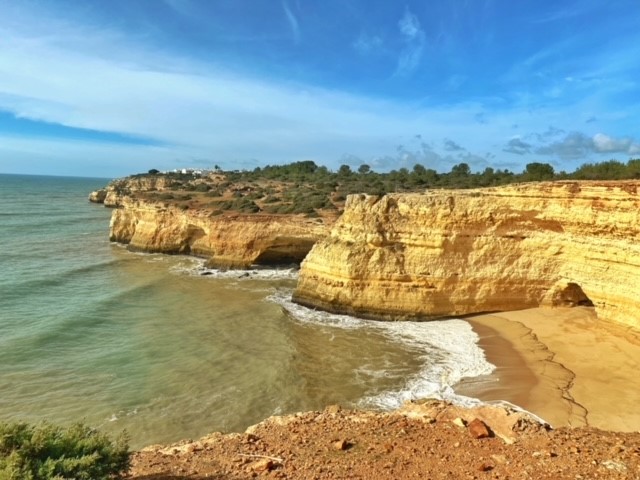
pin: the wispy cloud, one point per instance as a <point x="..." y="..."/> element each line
<point x="414" y="40"/>
<point x="293" y="22"/>
<point x="366" y="44"/>
<point x="564" y="12"/>
<point x="183" y="7"/>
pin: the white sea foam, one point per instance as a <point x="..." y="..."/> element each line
<point x="254" y="273"/>
<point x="188" y="265"/>
<point x="195" y="266"/>
<point x="450" y="352"/>
<point x="122" y="414"/>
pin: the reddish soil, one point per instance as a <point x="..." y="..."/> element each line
<point x="426" y="441"/>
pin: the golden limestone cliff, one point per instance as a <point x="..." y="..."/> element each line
<point x="228" y="241"/>
<point x="112" y="194"/>
<point x="446" y="253"/>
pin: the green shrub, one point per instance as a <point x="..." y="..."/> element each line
<point x="48" y="452"/>
<point x="255" y="195"/>
<point x="290" y="208"/>
<point x="271" y="208"/>
<point x="245" y="205"/>
<point x="221" y="204"/>
<point x="242" y="204"/>
<point x="303" y="208"/>
<point x="271" y="199"/>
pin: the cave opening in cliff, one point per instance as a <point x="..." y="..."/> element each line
<point x="573" y="296"/>
<point x="285" y="251"/>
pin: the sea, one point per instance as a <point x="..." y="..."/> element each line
<point x="166" y="349"/>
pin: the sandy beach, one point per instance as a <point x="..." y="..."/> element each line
<point x="562" y="364"/>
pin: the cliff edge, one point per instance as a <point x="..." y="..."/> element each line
<point x="457" y="252"/>
<point x="422" y="440"/>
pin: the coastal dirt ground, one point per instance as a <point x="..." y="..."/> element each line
<point x="430" y="440"/>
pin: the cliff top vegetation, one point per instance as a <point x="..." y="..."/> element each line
<point x="305" y="188"/>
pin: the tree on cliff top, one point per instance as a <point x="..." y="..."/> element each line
<point x="538" y="171"/>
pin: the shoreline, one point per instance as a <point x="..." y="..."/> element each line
<point x="561" y="364"/>
<point x="545" y="363"/>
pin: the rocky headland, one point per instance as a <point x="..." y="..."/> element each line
<point x="156" y="214"/>
<point x="448" y="253"/>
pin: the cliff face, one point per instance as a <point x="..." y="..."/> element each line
<point x="228" y="241"/>
<point x="447" y="253"/>
<point x="112" y="194"/>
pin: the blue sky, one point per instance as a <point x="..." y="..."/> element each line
<point x="108" y="88"/>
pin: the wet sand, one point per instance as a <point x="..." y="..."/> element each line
<point x="561" y="364"/>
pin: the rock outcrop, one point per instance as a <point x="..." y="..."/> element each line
<point x="228" y="241"/>
<point x="98" y="196"/>
<point x="112" y="194"/>
<point x="446" y="253"/>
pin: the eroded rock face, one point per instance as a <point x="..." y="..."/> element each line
<point x="446" y="253"/>
<point x="228" y="241"/>
<point x="98" y="196"/>
<point x="112" y="194"/>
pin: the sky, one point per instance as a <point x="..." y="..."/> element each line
<point x="110" y="88"/>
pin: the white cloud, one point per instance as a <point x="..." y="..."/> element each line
<point x="579" y="145"/>
<point x="409" y="25"/>
<point x="605" y="144"/>
<point x="414" y="42"/>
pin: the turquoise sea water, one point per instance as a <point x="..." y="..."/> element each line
<point x="90" y="331"/>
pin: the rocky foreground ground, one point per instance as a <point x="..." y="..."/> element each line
<point x="426" y="440"/>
